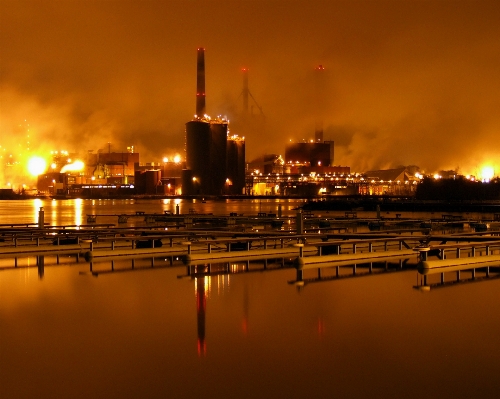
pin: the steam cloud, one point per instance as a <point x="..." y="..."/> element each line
<point x="407" y="82"/>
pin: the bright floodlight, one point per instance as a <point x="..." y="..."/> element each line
<point x="36" y="166"/>
<point x="487" y="173"/>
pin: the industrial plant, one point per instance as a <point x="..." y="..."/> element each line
<point x="214" y="164"/>
<point x="215" y="161"/>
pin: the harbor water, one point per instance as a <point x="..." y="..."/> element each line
<point x="148" y="329"/>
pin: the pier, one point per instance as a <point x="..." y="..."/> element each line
<point x="314" y="245"/>
<point x="480" y="255"/>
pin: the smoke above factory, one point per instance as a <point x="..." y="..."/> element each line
<point x="407" y="82"/>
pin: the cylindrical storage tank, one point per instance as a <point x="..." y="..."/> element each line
<point x="187" y="182"/>
<point x="140" y="182"/>
<point x="236" y="165"/>
<point x="153" y="179"/>
<point x="232" y="165"/>
<point x="218" y="156"/>
<point x="198" y="154"/>
<point x="240" y="186"/>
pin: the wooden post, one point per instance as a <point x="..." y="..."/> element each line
<point x="300" y="275"/>
<point x="41" y="216"/>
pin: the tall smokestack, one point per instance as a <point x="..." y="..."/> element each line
<point x="200" y="83"/>
<point x="318" y="132"/>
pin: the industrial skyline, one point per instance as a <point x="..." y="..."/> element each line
<point x="405" y="82"/>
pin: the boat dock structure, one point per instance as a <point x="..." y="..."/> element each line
<point x="480" y="255"/>
<point x="316" y="247"/>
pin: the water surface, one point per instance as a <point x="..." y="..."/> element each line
<point x="150" y="334"/>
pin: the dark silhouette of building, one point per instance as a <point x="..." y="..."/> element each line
<point x="310" y="153"/>
<point x="214" y="161"/>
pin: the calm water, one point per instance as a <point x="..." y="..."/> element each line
<point x="150" y="334"/>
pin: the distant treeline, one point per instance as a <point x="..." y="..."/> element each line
<point x="459" y="189"/>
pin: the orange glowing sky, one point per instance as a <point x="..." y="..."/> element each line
<point x="406" y="82"/>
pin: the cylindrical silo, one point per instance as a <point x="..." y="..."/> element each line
<point x="236" y="165"/>
<point x="198" y="139"/>
<point x="218" y="157"/>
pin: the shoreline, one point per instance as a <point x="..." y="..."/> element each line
<point x="316" y="203"/>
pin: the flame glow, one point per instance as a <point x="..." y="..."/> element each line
<point x="487" y="173"/>
<point x="73" y="167"/>
<point x="36" y="165"/>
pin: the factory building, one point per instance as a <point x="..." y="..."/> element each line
<point x="215" y="161"/>
<point x="310" y="153"/>
<point x="389" y="182"/>
<point x="112" y="167"/>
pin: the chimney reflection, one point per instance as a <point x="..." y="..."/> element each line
<point x="201" y="303"/>
<point x="40" y="261"/>
<point x="204" y="276"/>
<point x="321" y="327"/>
<point x="245" y="310"/>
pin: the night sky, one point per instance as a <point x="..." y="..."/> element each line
<point x="405" y="82"/>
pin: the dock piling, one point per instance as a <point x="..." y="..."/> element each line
<point x="299" y="222"/>
<point x="41" y="217"/>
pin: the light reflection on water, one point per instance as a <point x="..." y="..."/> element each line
<point x="148" y="333"/>
<point x="75" y="211"/>
<point x="78" y="212"/>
